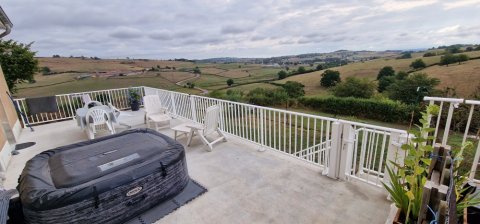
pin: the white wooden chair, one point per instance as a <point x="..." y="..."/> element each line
<point x="96" y="117"/>
<point x="210" y="125"/>
<point x="154" y="112"/>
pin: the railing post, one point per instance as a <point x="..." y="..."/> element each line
<point x="262" y="130"/>
<point x="395" y="153"/>
<point x="335" y="151"/>
<point x="346" y="156"/>
<point x="475" y="163"/>
<point x="174" y="107"/>
<point x="447" y="125"/>
<point x="194" y="108"/>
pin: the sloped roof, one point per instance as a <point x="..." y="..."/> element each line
<point x="5" y="23"/>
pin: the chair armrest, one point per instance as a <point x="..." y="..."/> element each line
<point x="195" y="126"/>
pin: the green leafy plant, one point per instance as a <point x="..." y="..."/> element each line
<point x="464" y="197"/>
<point x="408" y="179"/>
<point x="133" y="95"/>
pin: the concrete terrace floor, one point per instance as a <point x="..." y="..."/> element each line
<point x="244" y="185"/>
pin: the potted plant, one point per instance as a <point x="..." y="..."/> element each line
<point x="407" y="180"/>
<point x="134" y="99"/>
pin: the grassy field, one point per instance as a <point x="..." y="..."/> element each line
<point x="66" y="83"/>
<point x="369" y="69"/>
<point x="465" y="78"/>
<point x="248" y="87"/>
<point x="66" y="70"/>
<point x="90" y="65"/>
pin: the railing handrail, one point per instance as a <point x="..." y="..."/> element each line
<point x="86" y="92"/>
<point x="443" y="99"/>
<point x="295" y="113"/>
<point x="472" y="102"/>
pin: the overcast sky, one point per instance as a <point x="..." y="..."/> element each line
<point x="238" y="28"/>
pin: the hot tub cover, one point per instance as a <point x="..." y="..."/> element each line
<point x="74" y="173"/>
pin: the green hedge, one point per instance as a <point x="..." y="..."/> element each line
<point x="382" y="110"/>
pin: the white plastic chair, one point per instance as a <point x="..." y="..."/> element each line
<point x="86" y="99"/>
<point x="210" y="126"/>
<point x="118" y="113"/>
<point x="154" y="112"/>
<point x="96" y="117"/>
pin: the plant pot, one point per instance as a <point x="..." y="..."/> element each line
<point x="135" y="105"/>
<point x="394" y="215"/>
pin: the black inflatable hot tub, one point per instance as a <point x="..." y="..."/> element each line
<point x="107" y="180"/>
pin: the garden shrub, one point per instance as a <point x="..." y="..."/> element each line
<point x="381" y="110"/>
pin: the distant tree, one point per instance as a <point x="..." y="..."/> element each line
<point x="418" y="64"/>
<point x="385" y="71"/>
<point x="45" y="70"/>
<point x="429" y="54"/>
<point x="174" y="68"/>
<point x="330" y="78"/>
<point x="461" y="58"/>
<point x="18" y="62"/>
<point x="55" y="56"/>
<point x="311" y="64"/>
<point x="385" y="82"/>
<point x="230" y="82"/>
<point x="234" y="95"/>
<point x="158" y="66"/>
<point x="448" y="59"/>
<point x="477" y="48"/>
<point x="267" y="97"/>
<point x="294" y="89"/>
<point x="355" y="87"/>
<point x="453" y="49"/>
<point x="196" y="70"/>
<point x="401" y="75"/>
<point x="282" y="74"/>
<point x="319" y="67"/>
<point x="301" y="70"/>
<point x="287" y="68"/>
<point x="469" y="49"/>
<point x="406" y="90"/>
<point x="406" y="55"/>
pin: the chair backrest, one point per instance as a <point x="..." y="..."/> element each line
<point x="96" y="116"/>
<point x="153" y="104"/>
<point x="211" y="120"/>
<point x="86" y="99"/>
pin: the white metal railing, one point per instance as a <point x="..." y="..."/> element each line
<point x="303" y="136"/>
<point x="344" y="149"/>
<point x="69" y="103"/>
<point x="472" y="107"/>
<point x="314" y="139"/>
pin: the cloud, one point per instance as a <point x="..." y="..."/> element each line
<point x="236" y="29"/>
<point x="161" y="35"/>
<point x="126" y="33"/>
<point x="402" y="5"/>
<point x="216" y="28"/>
<point x="461" y="3"/>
